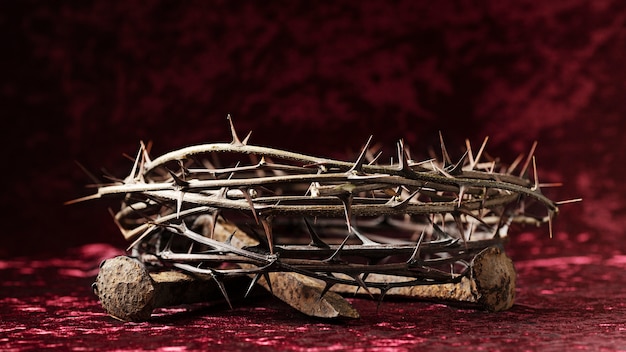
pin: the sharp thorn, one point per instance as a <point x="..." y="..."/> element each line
<point x="361" y="283"/>
<point x="325" y="290"/>
<point x="528" y="159"/>
<point x="245" y="140"/>
<point x="536" y="176"/>
<point x="248" y="198"/>
<point x="267" y="226"/>
<point x="236" y="141"/>
<point x="220" y="284"/>
<point x="576" y="200"/>
<point x="346" y="200"/>
<point x="415" y="253"/>
<point x="480" y="152"/>
<point x="468" y="148"/>
<point x="358" y="165"/>
<point x="383" y="293"/>
<point x="229" y="240"/>
<point x="444" y="151"/>
<point x="366" y="241"/>
<point x="255" y="279"/>
<point x="266" y="276"/>
<point x="461" y="194"/>
<point x="335" y="254"/>
<point x="315" y="239"/>
<point x="458" y="167"/>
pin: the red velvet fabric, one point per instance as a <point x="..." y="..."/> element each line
<point x="88" y="80"/>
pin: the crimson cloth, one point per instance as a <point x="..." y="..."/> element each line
<point x="86" y="81"/>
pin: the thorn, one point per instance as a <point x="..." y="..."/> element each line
<point x="236" y="141"/>
<point x="383" y="293"/>
<point x="93" y="177"/>
<point x="528" y="159"/>
<point x="346" y="200"/>
<point x="536" y="185"/>
<point x="335" y="255"/>
<point x="415" y="254"/>
<point x="315" y="239"/>
<point x="461" y="194"/>
<point x="441" y="234"/>
<point x="133" y="171"/>
<point x="140" y="237"/>
<point x="214" y="215"/>
<point x="375" y="158"/>
<point x="404" y="203"/>
<point x="179" y="203"/>
<point x="366" y="241"/>
<point x="245" y="140"/>
<point x="267" y="226"/>
<point x="82" y="199"/>
<point x="177" y="180"/>
<point x="513" y="165"/>
<point x="255" y="279"/>
<point x="325" y="290"/>
<point x="444" y="151"/>
<point x="168" y="245"/>
<point x="468" y="148"/>
<point x="220" y="284"/>
<point x="458" y="167"/>
<point x="576" y="200"/>
<point x="266" y="276"/>
<point x="229" y="240"/>
<point x="358" y="165"/>
<point x="480" y="152"/>
<point x="551" y="184"/>
<point x="403" y="158"/>
<point x="250" y="203"/>
<point x="361" y="283"/>
<point x="146" y="152"/>
<point x="459" y="225"/>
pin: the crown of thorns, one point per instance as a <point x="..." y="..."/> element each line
<point x="340" y="222"/>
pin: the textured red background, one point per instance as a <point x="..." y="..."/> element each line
<point x="88" y="80"/>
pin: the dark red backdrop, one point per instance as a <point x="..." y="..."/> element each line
<point x="88" y="80"/>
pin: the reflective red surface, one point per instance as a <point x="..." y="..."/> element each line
<point x="88" y="80"/>
<point x="575" y="302"/>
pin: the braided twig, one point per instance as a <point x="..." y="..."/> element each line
<point x="332" y="220"/>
